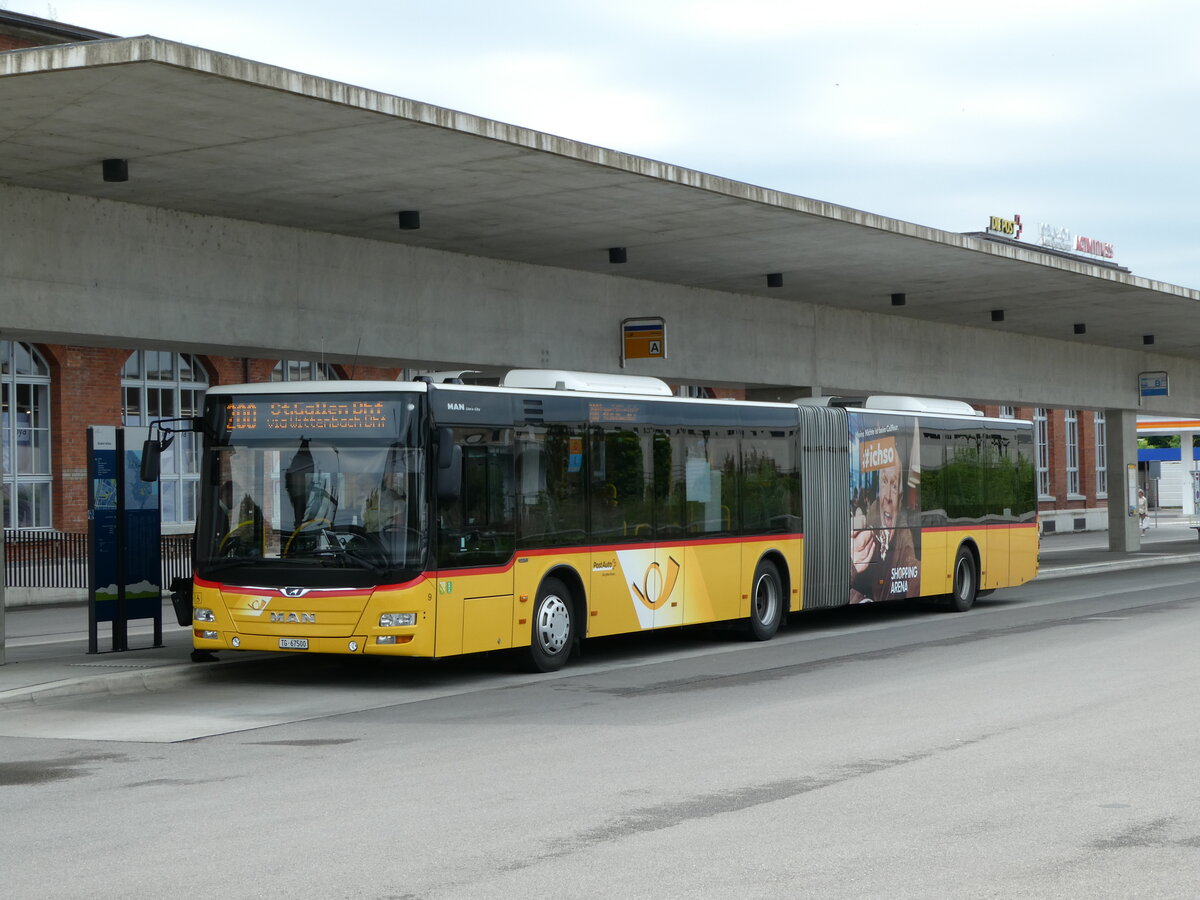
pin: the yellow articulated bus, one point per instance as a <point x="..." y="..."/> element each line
<point x="435" y="519"/>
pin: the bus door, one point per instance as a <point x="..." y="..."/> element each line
<point x="658" y="581"/>
<point x="707" y="480"/>
<point x="475" y="546"/>
<point x="999" y="483"/>
<point x="633" y="580"/>
<point x="994" y="553"/>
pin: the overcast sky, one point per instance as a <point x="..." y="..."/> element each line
<point x="1077" y="114"/>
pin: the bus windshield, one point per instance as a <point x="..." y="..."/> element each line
<point x="316" y="499"/>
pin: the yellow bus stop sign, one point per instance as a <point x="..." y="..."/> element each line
<point x="643" y="339"/>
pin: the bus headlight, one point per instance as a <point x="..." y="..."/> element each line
<point x="397" y="620"/>
<point x="200" y="614"/>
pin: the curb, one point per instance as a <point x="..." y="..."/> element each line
<point x="1090" y="568"/>
<point x="26" y="598"/>
<point x="151" y="679"/>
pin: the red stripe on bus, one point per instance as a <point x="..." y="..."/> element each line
<point x="980" y="527"/>
<point x="613" y="548"/>
<point x="341" y="592"/>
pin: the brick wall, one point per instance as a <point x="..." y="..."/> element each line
<point x="10" y="42"/>
<point x="85" y="390"/>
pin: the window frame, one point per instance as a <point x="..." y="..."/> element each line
<point x="1071" y="445"/>
<point x="188" y="383"/>
<point x="1100" y="424"/>
<point x="1041" y="443"/>
<point x="288" y="369"/>
<point x="39" y="483"/>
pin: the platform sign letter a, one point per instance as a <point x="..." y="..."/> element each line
<point x="644" y="338"/>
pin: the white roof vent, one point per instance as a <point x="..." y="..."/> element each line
<point x="921" y="405"/>
<point x="595" y="382"/>
<point x="450" y="376"/>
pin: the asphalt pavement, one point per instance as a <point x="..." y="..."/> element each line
<point x="46" y="645"/>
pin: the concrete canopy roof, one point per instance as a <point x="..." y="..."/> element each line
<point x="214" y="134"/>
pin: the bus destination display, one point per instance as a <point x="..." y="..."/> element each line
<point x="342" y="416"/>
<point x="612" y="411"/>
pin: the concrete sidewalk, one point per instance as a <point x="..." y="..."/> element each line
<point x="46" y="646"/>
<point x="1169" y="538"/>
<point x="46" y="650"/>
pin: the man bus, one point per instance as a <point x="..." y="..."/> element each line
<point x="437" y="519"/>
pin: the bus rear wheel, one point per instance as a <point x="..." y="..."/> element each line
<point x="553" y="629"/>
<point x="966" y="581"/>
<point x="766" y="602"/>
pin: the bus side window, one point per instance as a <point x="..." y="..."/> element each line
<point x="933" y="480"/>
<point x="622" y="501"/>
<point x="1026" y="506"/>
<point x="964" y="477"/>
<point x="711" y="472"/>
<point x="669" y="484"/>
<point x="550" y="487"/>
<point x="770" y="482"/>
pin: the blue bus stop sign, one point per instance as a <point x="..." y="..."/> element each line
<point x="1153" y="384"/>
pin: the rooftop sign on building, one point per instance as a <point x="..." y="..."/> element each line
<point x="1010" y="228"/>
<point x="1057" y="237"/>
<point x="1052" y="237"/>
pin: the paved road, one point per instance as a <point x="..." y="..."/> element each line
<point x="1042" y="745"/>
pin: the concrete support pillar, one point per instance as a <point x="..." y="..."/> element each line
<point x="1121" y="454"/>
<point x="1188" y="463"/>
<point x="2" y="598"/>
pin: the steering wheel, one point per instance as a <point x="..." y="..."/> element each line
<point x="305" y="526"/>
<point x="233" y="537"/>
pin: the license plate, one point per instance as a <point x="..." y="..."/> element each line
<point x="293" y="643"/>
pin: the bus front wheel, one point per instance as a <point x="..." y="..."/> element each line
<point x="553" y="628"/>
<point x="766" y="602"/>
<point x="966" y="581"/>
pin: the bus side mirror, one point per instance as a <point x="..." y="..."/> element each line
<point x="153" y="447"/>
<point x="150" y="460"/>
<point x="449" y="461"/>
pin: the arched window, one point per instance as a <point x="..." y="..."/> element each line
<point x="26" y="425"/>
<point x="158" y="384"/>
<point x="302" y="370"/>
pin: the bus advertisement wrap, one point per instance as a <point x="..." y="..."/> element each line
<point x="885" y="484"/>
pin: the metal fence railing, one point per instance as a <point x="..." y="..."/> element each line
<point x="44" y="559"/>
<point x="176" y="557"/>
